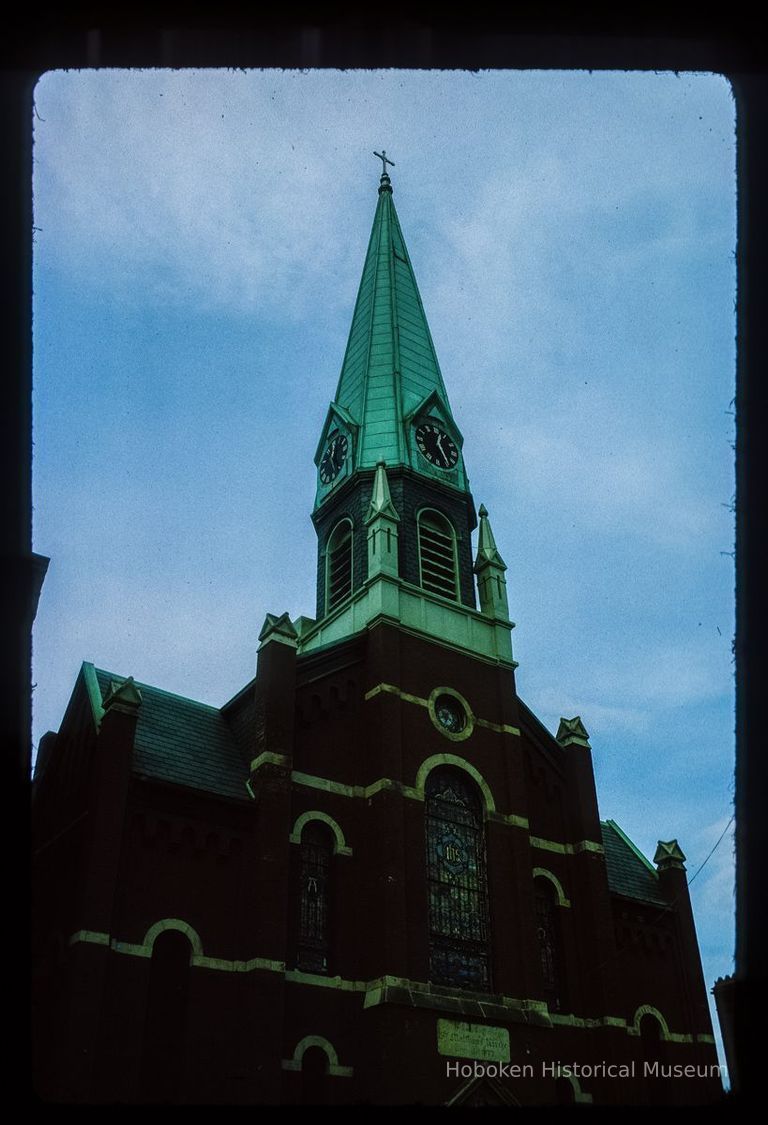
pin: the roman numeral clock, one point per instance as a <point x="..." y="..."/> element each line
<point x="436" y="446"/>
<point x="334" y="457"/>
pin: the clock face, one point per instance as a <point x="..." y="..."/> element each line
<point x="434" y="444"/>
<point x="333" y="458"/>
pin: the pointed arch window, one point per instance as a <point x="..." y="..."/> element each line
<point x="437" y="554"/>
<point x="548" y="939"/>
<point x="339" y="565"/>
<point x="457" y="881"/>
<point x="316" y="853"/>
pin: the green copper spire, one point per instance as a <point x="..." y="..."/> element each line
<point x="390" y="378"/>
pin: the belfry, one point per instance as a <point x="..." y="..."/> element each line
<point x="372" y="876"/>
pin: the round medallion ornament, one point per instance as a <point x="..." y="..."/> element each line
<point x="450" y="714"/>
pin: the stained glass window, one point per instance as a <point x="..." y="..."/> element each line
<point x="548" y="937"/>
<point x="314" y="898"/>
<point x="458" y="885"/>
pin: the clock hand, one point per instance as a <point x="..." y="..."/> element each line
<point x="440" y="444"/>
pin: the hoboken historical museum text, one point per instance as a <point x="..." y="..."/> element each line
<point x="655" y="1069"/>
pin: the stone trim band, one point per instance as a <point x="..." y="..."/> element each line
<point x="500" y="728"/>
<point x="416" y="793"/>
<point x="381" y="989"/>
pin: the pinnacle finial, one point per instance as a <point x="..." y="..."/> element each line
<point x="572" y="732"/>
<point x="278" y="628"/>
<point x="669" y="854"/>
<point x="384" y="161"/>
<point x="123" y="695"/>
<point x="381" y="500"/>
<point x="385" y="184"/>
<point x="486" y="547"/>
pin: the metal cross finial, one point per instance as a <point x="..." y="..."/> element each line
<point x="384" y="161"/>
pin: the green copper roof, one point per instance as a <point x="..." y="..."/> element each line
<point x="390" y="368"/>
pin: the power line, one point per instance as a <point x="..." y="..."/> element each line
<point x="728" y="825"/>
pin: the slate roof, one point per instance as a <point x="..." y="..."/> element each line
<point x="185" y="742"/>
<point x="629" y="873"/>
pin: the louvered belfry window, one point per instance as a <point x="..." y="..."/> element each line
<point x="339" y="564"/>
<point x="314" y="898"/>
<point x="437" y="554"/>
<point x="457" y="882"/>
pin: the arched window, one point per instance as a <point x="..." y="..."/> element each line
<point x="339" y="565"/>
<point x="314" y="1080"/>
<point x="437" y="554"/>
<point x="313" y="939"/>
<point x="654" y="1058"/>
<point x="548" y="938"/>
<point x="163" y="1045"/>
<point x="457" y="881"/>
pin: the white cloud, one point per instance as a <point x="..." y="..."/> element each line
<point x="590" y="463"/>
<point x="666" y="675"/>
<point x="192" y="186"/>
<point x="601" y="719"/>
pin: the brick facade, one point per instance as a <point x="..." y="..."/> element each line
<point x="315" y="736"/>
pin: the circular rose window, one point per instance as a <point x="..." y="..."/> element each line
<point x="450" y="714"/>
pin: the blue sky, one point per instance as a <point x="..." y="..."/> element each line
<point x="200" y="240"/>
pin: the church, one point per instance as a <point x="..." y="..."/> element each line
<point x="372" y="876"/>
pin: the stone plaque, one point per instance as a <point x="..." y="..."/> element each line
<point x="463" y="1040"/>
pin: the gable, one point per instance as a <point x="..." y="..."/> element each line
<point x="184" y="742"/>
<point x="629" y="874"/>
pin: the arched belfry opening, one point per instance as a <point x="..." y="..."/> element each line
<point x="339" y="565"/>
<point x="437" y="554"/>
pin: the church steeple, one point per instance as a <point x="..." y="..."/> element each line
<point x="393" y="512"/>
<point x="390" y="383"/>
